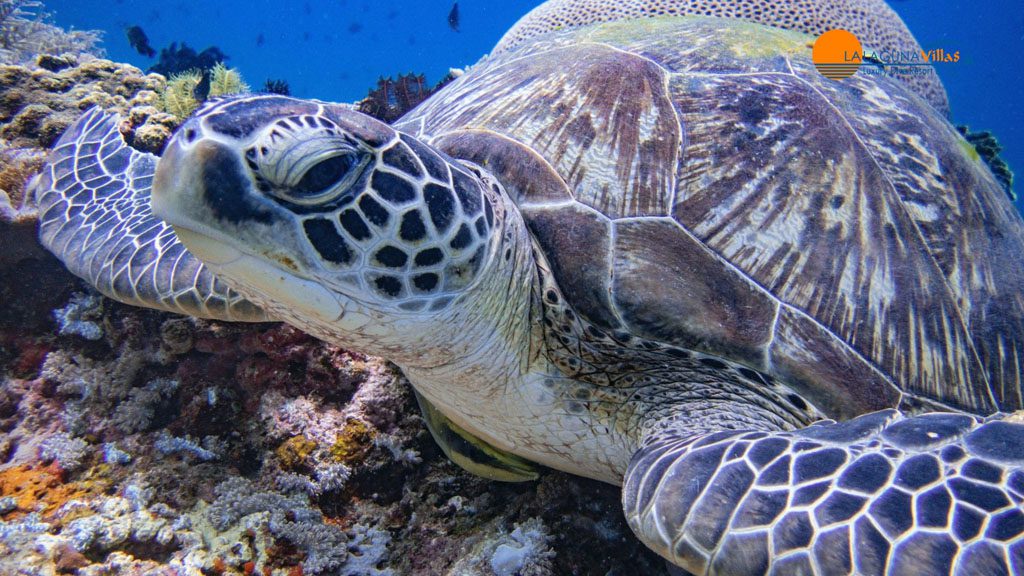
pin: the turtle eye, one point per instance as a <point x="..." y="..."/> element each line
<point x="324" y="176"/>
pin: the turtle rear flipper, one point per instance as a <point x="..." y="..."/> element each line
<point x="93" y="198"/>
<point x="882" y="493"/>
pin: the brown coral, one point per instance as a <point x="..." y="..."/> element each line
<point x="294" y="452"/>
<point x="38" y="103"/>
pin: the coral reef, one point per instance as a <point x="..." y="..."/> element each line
<point x="38" y="102"/>
<point x="392" y="98"/>
<point x="193" y="447"/>
<point x="26" y="32"/>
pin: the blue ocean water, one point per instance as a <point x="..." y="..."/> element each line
<point x="336" y="49"/>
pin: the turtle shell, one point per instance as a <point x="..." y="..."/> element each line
<point x="695" y="181"/>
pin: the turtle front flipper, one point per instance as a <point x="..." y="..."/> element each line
<point x="471" y="453"/>
<point x="93" y="198"/>
<point x="879" y="494"/>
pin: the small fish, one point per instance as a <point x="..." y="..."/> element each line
<point x="453" y="17"/>
<point x="260" y="40"/>
<point x="138" y="40"/>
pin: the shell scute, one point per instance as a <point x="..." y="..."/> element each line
<point x="671" y="288"/>
<point x="834" y="235"/>
<point x="606" y="124"/>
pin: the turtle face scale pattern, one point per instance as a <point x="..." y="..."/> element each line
<point x="370" y="212"/>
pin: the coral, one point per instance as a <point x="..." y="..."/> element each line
<point x="324" y="548"/>
<point x="135" y="413"/>
<point x="177" y="59"/>
<point x="42" y="489"/>
<point x="332" y="477"/>
<point x="372" y="545"/>
<point x="94" y="389"/>
<point x="401" y="454"/>
<point x="167" y="444"/>
<point x="114" y="455"/>
<point x="179" y="97"/>
<point x="392" y="98"/>
<point x="294" y="452"/>
<point x="225" y="81"/>
<point x="176" y="336"/>
<point x="39" y="101"/>
<point x="146" y="128"/>
<point x="186" y="90"/>
<point x="65" y="450"/>
<point x="524" y="552"/>
<point x="115" y="521"/>
<point x="272" y="86"/>
<point x="353" y="442"/>
<point x="80" y="315"/>
<point x="288" y="482"/>
<point x="30" y="524"/>
<point x="988" y="148"/>
<point x="26" y="31"/>
<point x="17" y="166"/>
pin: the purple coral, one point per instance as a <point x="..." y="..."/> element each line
<point x="65" y="450"/>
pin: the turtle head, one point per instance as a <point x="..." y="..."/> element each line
<point x="323" y="215"/>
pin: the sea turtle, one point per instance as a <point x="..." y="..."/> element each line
<point x="784" y="312"/>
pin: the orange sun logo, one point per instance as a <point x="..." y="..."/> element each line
<point x="837" y="54"/>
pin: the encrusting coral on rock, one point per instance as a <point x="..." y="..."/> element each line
<point x="222" y="457"/>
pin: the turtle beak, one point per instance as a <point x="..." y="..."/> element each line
<point x="171" y="183"/>
<point x="180" y="197"/>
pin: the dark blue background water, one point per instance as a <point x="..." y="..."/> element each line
<point x="336" y="49"/>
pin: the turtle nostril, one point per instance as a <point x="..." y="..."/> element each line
<point x="190" y="135"/>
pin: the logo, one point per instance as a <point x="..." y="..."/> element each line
<point x="832" y="54"/>
<point x="838" y="54"/>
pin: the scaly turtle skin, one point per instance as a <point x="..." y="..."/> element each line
<point x="659" y="252"/>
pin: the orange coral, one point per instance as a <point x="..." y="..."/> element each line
<point x="42" y="488"/>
